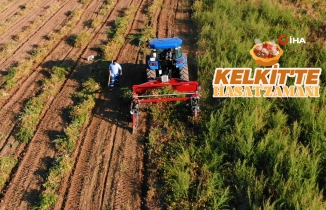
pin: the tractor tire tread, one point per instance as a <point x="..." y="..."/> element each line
<point x="184" y="73"/>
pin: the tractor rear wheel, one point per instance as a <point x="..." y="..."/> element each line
<point x="184" y="73"/>
<point x="151" y="74"/>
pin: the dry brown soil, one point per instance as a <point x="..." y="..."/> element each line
<point x="108" y="171"/>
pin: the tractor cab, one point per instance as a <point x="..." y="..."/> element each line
<point x="166" y="58"/>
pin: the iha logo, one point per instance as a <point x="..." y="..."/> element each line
<point x="284" y="39"/>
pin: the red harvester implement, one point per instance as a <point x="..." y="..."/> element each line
<point x="189" y="90"/>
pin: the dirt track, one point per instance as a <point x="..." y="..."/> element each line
<point x="108" y="170"/>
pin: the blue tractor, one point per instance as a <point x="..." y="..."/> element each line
<point x="166" y="58"/>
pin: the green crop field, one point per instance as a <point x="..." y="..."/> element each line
<point x="245" y="153"/>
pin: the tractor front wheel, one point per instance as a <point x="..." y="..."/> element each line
<point x="184" y="74"/>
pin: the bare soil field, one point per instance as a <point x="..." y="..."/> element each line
<point x="109" y="171"/>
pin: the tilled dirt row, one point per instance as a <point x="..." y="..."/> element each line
<point x="23" y="20"/>
<point x="24" y="186"/>
<point x="53" y="23"/>
<point x="11" y="9"/>
<point x="165" y="24"/>
<point x="108" y="171"/>
<point x="62" y="54"/>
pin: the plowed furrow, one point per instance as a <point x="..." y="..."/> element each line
<point x="57" y="21"/>
<point x="29" y="163"/>
<point x="169" y="30"/>
<point x="62" y="53"/>
<point x="174" y="7"/>
<point x="186" y="29"/>
<point x="163" y="22"/>
<point x="11" y="148"/>
<point x="11" y="9"/>
<point x="5" y="5"/>
<point x="83" y="172"/>
<point x="157" y="21"/>
<point x="82" y="74"/>
<point x="24" y="12"/>
<point x="30" y="170"/>
<point x="14" y="106"/>
<point x="103" y="179"/>
<point x="123" y="188"/>
<point x="95" y="188"/>
<point x="117" y="165"/>
<point x="45" y="127"/>
<point x="9" y="36"/>
<point x="15" y="27"/>
<point x="98" y="170"/>
<point x="72" y="84"/>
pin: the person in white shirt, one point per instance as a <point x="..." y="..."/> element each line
<point x="115" y="71"/>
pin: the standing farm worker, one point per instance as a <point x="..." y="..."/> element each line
<point x="115" y="71"/>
